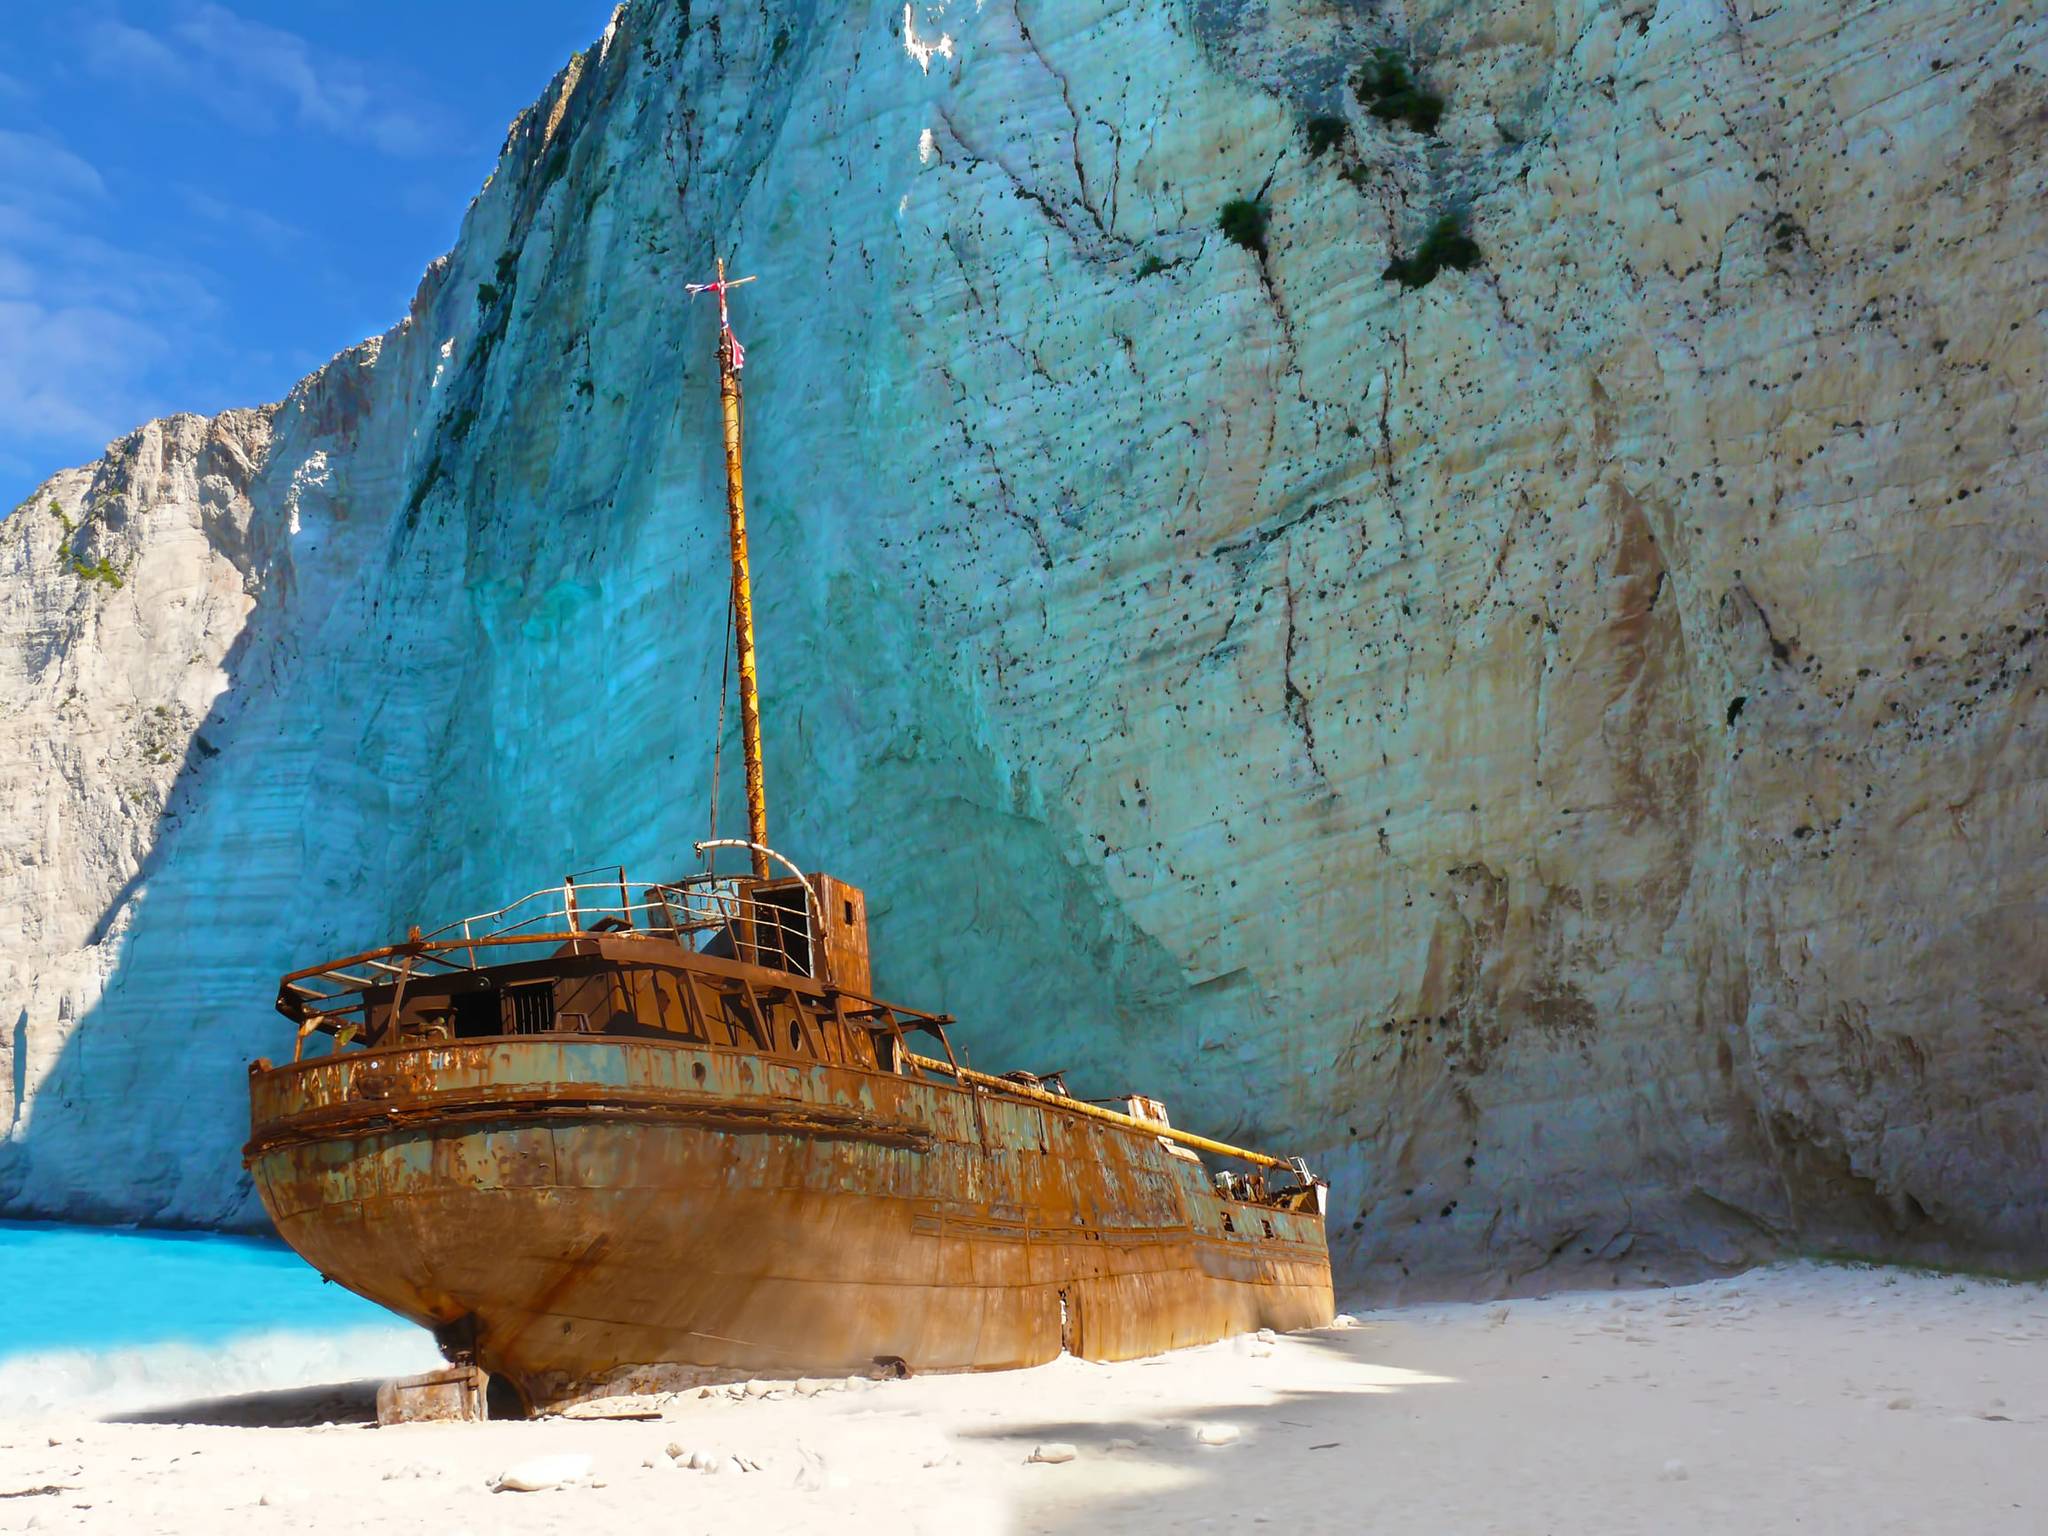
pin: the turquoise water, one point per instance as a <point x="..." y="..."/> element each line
<point x="95" y="1288"/>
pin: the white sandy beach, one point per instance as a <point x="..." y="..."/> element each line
<point x="1803" y="1398"/>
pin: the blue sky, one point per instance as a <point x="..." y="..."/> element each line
<point x="202" y="200"/>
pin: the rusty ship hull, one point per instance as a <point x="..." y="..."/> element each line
<point x="583" y="1216"/>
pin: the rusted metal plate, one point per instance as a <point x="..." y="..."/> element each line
<point x="614" y="1163"/>
<point x="457" y="1393"/>
<point x="613" y="1213"/>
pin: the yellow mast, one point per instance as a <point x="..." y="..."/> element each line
<point x="729" y="358"/>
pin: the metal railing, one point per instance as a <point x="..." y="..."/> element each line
<point x="708" y="913"/>
<point x="698" y="912"/>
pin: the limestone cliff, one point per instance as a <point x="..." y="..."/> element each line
<point x="1558" y="743"/>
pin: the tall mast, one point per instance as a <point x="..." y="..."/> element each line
<point x="730" y="360"/>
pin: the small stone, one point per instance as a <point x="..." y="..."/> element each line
<point x="1123" y="1445"/>
<point x="1265" y="1335"/>
<point x="1216" y="1434"/>
<point x="413" y="1469"/>
<point x="1343" y="1320"/>
<point x="677" y="1452"/>
<point x="858" y="1384"/>
<point x="758" y="1388"/>
<point x="1674" y="1472"/>
<point x="1904" y="1400"/>
<point x="1053" y="1452"/>
<point x="541" y="1472"/>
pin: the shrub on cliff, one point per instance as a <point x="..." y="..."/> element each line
<point x="1325" y="134"/>
<point x="1244" y="221"/>
<point x="1446" y="245"/>
<point x="101" y="570"/>
<point x="1386" y="90"/>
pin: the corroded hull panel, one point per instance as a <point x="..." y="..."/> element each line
<point x="612" y="1214"/>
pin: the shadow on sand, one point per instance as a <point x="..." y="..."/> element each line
<point x="347" y="1402"/>
<point x="1296" y="1464"/>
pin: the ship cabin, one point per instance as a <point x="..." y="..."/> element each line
<point x="776" y="967"/>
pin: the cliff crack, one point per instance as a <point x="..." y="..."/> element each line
<point x="1297" y="701"/>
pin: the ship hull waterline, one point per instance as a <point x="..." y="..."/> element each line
<point x="598" y="1216"/>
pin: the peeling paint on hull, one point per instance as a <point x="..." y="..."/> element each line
<point x="617" y="1214"/>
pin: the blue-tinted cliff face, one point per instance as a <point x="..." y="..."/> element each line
<point x="1558" y="743"/>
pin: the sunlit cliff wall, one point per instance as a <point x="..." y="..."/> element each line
<point x="1559" y="746"/>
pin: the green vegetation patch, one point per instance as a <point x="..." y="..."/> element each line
<point x="101" y="570"/>
<point x="1325" y="134"/>
<point x="1243" y="220"/>
<point x="1446" y="245"/>
<point x="1387" y="90"/>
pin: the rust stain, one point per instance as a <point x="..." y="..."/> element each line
<point x="609" y="1159"/>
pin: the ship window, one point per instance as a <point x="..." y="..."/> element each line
<point x="533" y="1008"/>
<point x="849" y="911"/>
<point x="796" y="1037"/>
<point x="477" y="1015"/>
<point x="1228" y="1224"/>
<point x="1267" y="1225"/>
<point x="782" y="939"/>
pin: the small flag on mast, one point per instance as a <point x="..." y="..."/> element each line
<point x="720" y="287"/>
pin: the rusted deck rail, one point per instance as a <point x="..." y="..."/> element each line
<point x="693" y="912"/>
<point x="1096" y="1112"/>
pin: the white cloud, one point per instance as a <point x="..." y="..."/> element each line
<point x="70" y="374"/>
<point x="85" y="323"/>
<point x="240" y="220"/>
<point x="253" y="75"/>
<point x="117" y="51"/>
<point x="33" y="166"/>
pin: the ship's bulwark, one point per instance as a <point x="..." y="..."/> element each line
<point x="613" y="1215"/>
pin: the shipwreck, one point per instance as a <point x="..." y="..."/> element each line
<point x="620" y="1136"/>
